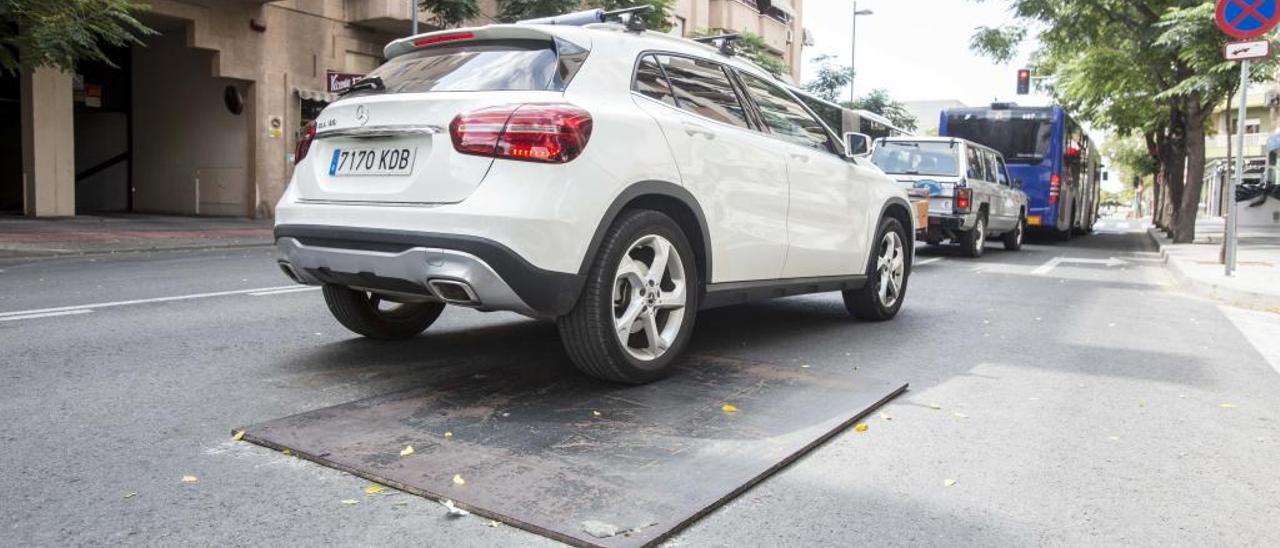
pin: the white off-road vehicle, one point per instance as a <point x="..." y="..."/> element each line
<point x="612" y="180"/>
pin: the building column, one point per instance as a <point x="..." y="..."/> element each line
<point x="48" y="144"/>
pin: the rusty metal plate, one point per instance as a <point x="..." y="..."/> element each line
<point x="582" y="461"/>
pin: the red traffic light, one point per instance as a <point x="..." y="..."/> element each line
<point x="1024" y="82"/>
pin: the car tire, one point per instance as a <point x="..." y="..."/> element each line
<point x="890" y="260"/>
<point x="362" y="312"/>
<point x="658" y="312"/>
<point x="974" y="242"/>
<point x="1070" y="232"/>
<point x="1013" y="238"/>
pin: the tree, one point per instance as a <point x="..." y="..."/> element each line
<point x="449" y="13"/>
<point x="36" y="33"/>
<point x="510" y="11"/>
<point x="831" y="79"/>
<point x="1151" y="67"/>
<point x="879" y="102"/>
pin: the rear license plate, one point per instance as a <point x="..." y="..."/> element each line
<point x="940" y="205"/>
<point x="372" y="161"/>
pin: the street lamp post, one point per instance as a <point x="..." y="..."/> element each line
<point x="413" y="12"/>
<point x="853" y="46"/>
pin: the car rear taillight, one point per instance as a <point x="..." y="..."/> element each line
<point x="550" y="133"/>
<point x="964" y="199"/>
<point x="305" y="136"/>
<point x="429" y="40"/>
<point x="1055" y="188"/>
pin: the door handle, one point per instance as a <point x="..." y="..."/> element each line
<point x="695" y="130"/>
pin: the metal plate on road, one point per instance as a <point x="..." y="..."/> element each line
<point x="589" y="463"/>
<point x="1240" y="51"/>
<point x="1244" y="19"/>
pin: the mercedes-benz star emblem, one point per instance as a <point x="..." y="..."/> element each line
<point x="362" y="114"/>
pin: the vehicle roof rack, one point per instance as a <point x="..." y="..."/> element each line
<point x="725" y="42"/>
<point x="630" y="18"/>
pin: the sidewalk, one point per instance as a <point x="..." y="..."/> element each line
<point x="23" y="237"/>
<point x="1256" y="283"/>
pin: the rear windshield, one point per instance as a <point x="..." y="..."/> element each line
<point x="917" y="158"/>
<point x="474" y="66"/>
<point x="1022" y="137"/>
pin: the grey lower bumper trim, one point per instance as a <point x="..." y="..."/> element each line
<point x="415" y="267"/>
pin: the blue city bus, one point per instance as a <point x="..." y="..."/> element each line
<point x="1049" y="153"/>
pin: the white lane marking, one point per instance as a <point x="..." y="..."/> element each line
<point x="283" y="291"/>
<point x="1260" y="329"/>
<point x="1058" y="261"/>
<point x="928" y="261"/>
<point x="143" y="301"/>
<point x="45" y="315"/>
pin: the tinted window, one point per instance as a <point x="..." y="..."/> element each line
<point x="785" y="117"/>
<point x="917" y="158"/>
<point x="703" y="88"/>
<point x="651" y="82"/>
<point x="991" y="167"/>
<point x="474" y="66"/>
<point x="1022" y="137"/>
<point x="832" y="115"/>
<point x="975" y="169"/>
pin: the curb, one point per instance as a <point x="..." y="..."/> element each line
<point x="21" y="254"/>
<point x="1228" y="295"/>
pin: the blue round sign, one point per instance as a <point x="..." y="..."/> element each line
<point x="1246" y="19"/>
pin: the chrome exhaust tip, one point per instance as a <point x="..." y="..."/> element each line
<point x="454" y="292"/>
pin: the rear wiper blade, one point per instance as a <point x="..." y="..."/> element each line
<point x="372" y="83"/>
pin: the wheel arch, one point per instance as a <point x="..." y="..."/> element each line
<point x="670" y="199"/>
<point x="901" y="210"/>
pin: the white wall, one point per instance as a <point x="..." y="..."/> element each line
<point x="184" y="137"/>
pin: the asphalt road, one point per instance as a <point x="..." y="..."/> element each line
<point x="1079" y="404"/>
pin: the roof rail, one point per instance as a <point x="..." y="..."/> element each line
<point x="726" y="42"/>
<point x="629" y="16"/>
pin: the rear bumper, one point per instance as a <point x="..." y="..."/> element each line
<point x="463" y="270"/>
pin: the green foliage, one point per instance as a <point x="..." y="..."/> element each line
<point x="998" y="43"/>
<point x="449" y="13"/>
<point x="879" y="102"/>
<point x="511" y="11"/>
<point x="35" y="33"/>
<point x="831" y="79"/>
<point x="1128" y="157"/>
<point x="751" y="47"/>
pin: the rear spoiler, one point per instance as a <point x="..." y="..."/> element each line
<point x="490" y="32"/>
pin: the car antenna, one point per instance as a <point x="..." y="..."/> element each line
<point x="630" y="18"/>
<point x="726" y="42"/>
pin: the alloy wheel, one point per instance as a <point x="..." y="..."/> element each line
<point x="649" y="297"/>
<point x="891" y="266"/>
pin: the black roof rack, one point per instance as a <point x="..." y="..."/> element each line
<point x="726" y="42"/>
<point x="631" y="17"/>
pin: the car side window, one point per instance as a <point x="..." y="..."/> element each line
<point x="975" y="169"/>
<point x="1002" y="172"/>
<point x="651" y="82"/>
<point x="702" y="87"/>
<point x="785" y="116"/>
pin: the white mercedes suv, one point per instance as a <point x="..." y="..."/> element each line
<point x="613" y="181"/>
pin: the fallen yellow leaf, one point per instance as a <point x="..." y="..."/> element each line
<point x="131" y="494"/>
<point x="948" y="482"/>
<point x="861" y="427"/>
<point x="448" y="434"/>
<point x="935" y="406"/>
<point x="959" y="414"/>
<point x="494" y="523"/>
<point x="595" y="413"/>
<point x="1227" y="405"/>
<point x="457" y="480"/>
<point x="374" y="489"/>
<point x="189" y="479"/>
<point x="286" y="452"/>
<point x="239" y="435"/>
<point x="408" y="450"/>
<point x="728" y="408"/>
<point x="350" y="501"/>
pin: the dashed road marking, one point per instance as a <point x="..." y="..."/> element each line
<point x="45" y="315"/>
<point x="928" y="261"/>
<point x="49" y="312"/>
<point x="283" y="291"/>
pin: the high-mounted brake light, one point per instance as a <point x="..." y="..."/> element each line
<point x="549" y="133"/>
<point x="1055" y="188"/>
<point x="428" y="40"/>
<point x="305" y="137"/>
<point x="964" y="199"/>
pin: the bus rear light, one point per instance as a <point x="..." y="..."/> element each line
<point x="964" y="199"/>
<point x="548" y="133"/>
<point x="1055" y="188"/>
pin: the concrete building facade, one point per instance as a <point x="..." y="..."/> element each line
<point x="201" y="117"/>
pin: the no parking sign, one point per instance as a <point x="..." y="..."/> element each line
<point x="1245" y="19"/>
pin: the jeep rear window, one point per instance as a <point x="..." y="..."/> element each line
<point x="495" y="65"/>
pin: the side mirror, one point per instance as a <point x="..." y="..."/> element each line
<point x="856" y="144"/>
<point x="1017" y="183"/>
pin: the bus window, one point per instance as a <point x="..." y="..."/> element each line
<point x="1023" y="139"/>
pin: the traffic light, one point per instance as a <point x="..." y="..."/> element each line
<point x="1024" y="81"/>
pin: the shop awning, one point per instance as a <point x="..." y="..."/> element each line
<point x="316" y="95"/>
